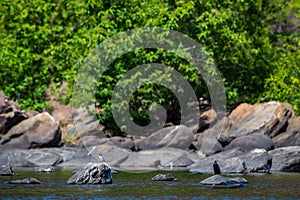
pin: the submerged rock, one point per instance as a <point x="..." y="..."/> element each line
<point x="218" y="181"/>
<point x="164" y="177"/>
<point x="26" y="181"/>
<point x="46" y="170"/>
<point x="92" y="173"/>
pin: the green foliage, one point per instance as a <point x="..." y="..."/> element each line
<point x="43" y="44"/>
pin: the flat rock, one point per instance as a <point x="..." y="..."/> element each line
<point x="219" y="181"/>
<point x="179" y="137"/>
<point x="286" y="159"/>
<point x="39" y="131"/>
<point x="26" y="181"/>
<point x="164" y="177"/>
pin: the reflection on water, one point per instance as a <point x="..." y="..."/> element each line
<point x="139" y="186"/>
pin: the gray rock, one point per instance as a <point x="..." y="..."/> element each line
<point x="38" y="131"/>
<point x="30" y="158"/>
<point x="292" y="135"/>
<point x="113" y="155"/>
<point x="92" y="173"/>
<point x="207" y="142"/>
<point x="171" y="157"/>
<point x="74" y="157"/>
<point x="266" y="118"/>
<point x="139" y="161"/>
<point x="219" y="181"/>
<point x="26" y="181"/>
<point x="92" y="140"/>
<point x="250" y="142"/>
<point x="177" y="137"/>
<point x="126" y="143"/>
<point x="286" y="159"/>
<point x="85" y="124"/>
<point x="231" y="161"/>
<point x="164" y="177"/>
<point x="6" y="170"/>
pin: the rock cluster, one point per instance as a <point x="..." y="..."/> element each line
<point x="250" y="136"/>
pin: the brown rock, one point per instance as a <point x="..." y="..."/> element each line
<point x="207" y="118"/>
<point x="266" y="118"/>
<point x="10" y="114"/>
<point x="39" y="131"/>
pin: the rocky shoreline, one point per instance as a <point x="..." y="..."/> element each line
<point x="251" y="135"/>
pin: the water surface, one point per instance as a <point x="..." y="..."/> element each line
<point x="139" y="186"/>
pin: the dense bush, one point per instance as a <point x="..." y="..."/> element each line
<point x="43" y="44"/>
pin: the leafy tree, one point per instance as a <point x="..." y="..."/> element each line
<point x="44" y="43"/>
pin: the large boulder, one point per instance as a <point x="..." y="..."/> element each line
<point x="92" y="173"/>
<point x="250" y="142"/>
<point x="175" y="136"/>
<point x="219" y="181"/>
<point x="286" y="159"/>
<point x="39" y="131"/>
<point x="85" y="124"/>
<point x="124" y="142"/>
<point x="171" y="157"/>
<point x="136" y="161"/>
<point x="207" y="119"/>
<point x="10" y="114"/>
<point x="113" y="154"/>
<point x="90" y="141"/>
<point x="291" y="137"/>
<point x="231" y="161"/>
<point x="207" y="143"/>
<point x="266" y="118"/>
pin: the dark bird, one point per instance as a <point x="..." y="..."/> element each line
<point x="216" y="168"/>
<point x="268" y="166"/>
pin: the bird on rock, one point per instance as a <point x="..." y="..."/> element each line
<point x="216" y="168"/>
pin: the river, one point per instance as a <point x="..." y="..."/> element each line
<point x="138" y="185"/>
